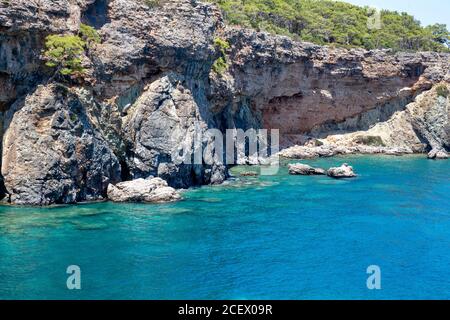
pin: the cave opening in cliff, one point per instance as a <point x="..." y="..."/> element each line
<point x="124" y="171"/>
<point x="96" y="14"/>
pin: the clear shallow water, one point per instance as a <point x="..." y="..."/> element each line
<point x="278" y="237"/>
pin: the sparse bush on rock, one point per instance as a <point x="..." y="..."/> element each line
<point x="375" y="141"/>
<point x="89" y="34"/>
<point x="153" y="3"/>
<point x="442" y="90"/>
<point x="65" y="52"/>
<point x="221" y="65"/>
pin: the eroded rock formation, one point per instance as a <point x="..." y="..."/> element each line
<point x="52" y="153"/>
<point x="150" y="87"/>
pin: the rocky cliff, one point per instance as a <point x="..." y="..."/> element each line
<point x="151" y="85"/>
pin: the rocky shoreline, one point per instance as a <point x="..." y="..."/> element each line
<point x="326" y="151"/>
<point x="155" y="76"/>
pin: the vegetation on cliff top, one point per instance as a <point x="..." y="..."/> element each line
<point x="339" y="23"/>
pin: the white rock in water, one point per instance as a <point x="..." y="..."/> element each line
<point x="142" y="190"/>
<point x="438" y="154"/>
<point x="344" y="171"/>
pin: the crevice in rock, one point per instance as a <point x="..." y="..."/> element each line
<point x="422" y="139"/>
<point x="125" y="173"/>
<point x="96" y="14"/>
<point x="129" y="97"/>
<point x="414" y="70"/>
<point x="3" y="190"/>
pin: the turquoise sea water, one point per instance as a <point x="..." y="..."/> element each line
<point x="273" y="237"/>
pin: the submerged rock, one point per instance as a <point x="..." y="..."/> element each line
<point x="305" y="170"/>
<point x="344" y="171"/>
<point x="141" y="190"/>
<point x="249" y="174"/>
<point x="437" y="154"/>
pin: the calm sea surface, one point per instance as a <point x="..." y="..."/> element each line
<point x="272" y="237"/>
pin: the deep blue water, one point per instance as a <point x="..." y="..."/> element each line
<point x="274" y="237"/>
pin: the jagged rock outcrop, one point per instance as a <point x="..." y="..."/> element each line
<point x="164" y="120"/>
<point x="153" y="190"/>
<point x="330" y="150"/>
<point x="152" y="62"/>
<point x="305" y="170"/>
<point x="52" y="153"/>
<point x="150" y="88"/>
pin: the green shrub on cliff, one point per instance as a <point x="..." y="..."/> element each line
<point x="442" y="90"/>
<point x="221" y="65"/>
<point x="328" y="22"/>
<point x="89" y="34"/>
<point x="375" y="141"/>
<point x="223" y="45"/>
<point x="153" y="3"/>
<point x="65" y="53"/>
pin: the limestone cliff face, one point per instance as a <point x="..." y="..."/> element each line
<point x="422" y="125"/>
<point x="150" y="87"/>
<point x="308" y="90"/>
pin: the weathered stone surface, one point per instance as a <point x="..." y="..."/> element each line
<point x="344" y="171"/>
<point x="140" y="190"/>
<point x="305" y="170"/>
<point x="437" y="154"/>
<point x="303" y="88"/>
<point x="52" y="153"/>
<point x="164" y="122"/>
<point x="424" y="123"/>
